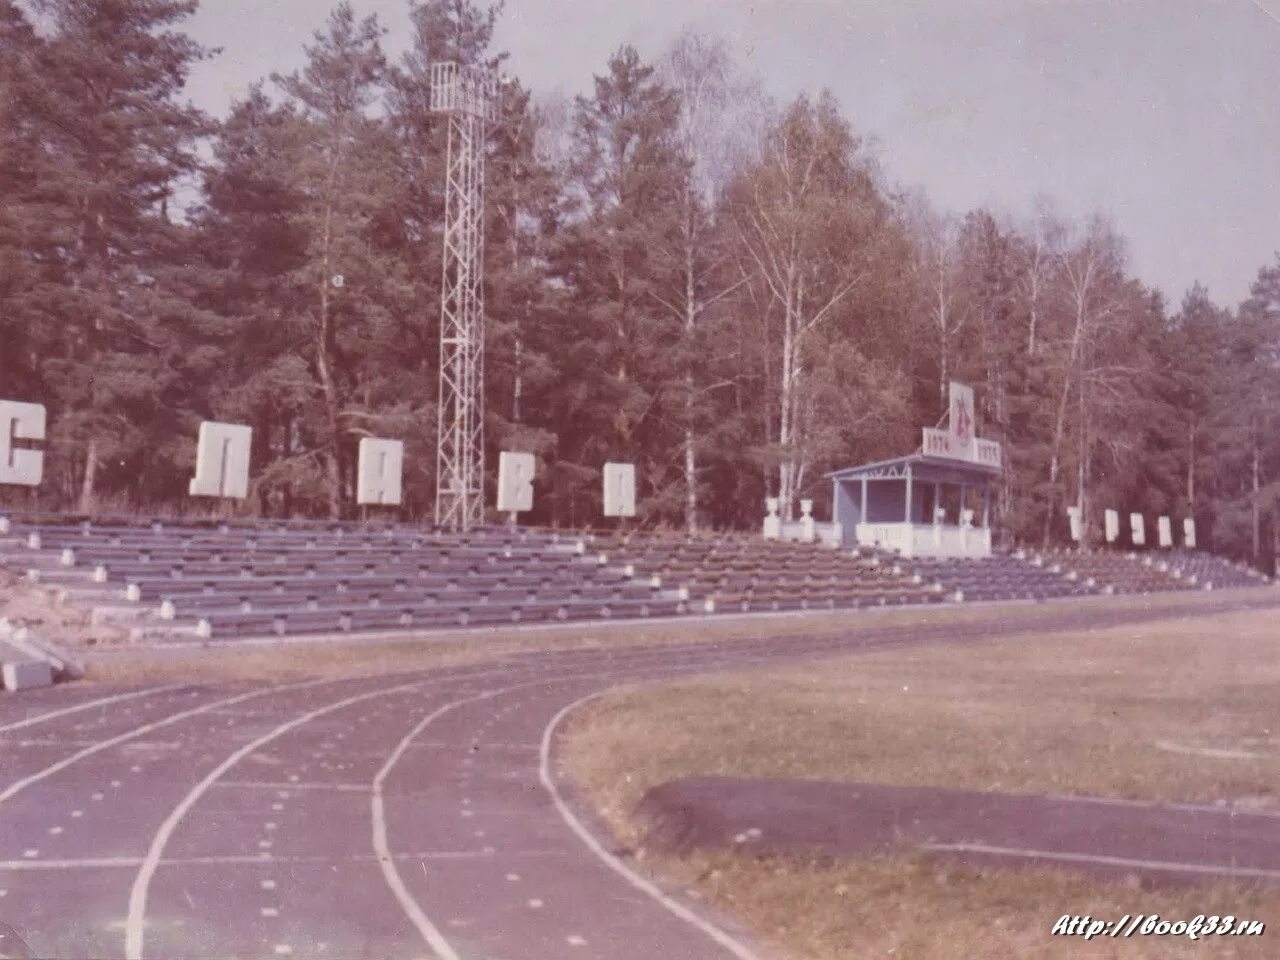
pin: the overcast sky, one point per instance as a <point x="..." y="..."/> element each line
<point x="1163" y="113"/>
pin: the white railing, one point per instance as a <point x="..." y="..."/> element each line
<point x="927" y="540"/>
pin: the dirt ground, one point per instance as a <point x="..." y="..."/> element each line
<point x="1179" y="709"/>
<point x="34" y="607"/>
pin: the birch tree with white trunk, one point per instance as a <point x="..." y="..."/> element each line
<point x="807" y="217"/>
<point x="719" y="110"/>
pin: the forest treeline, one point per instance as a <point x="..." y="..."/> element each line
<point x="727" y="291"/>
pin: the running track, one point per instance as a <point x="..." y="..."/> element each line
<point x="390" y="818"/>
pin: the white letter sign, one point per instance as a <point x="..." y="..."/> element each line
<point x="1113" y="526"/>
<point x="21" y="421"/>
<point x="1189" y="533"/>
<point x="1164" y="530"/>
<point x="379" y="473"/>
<point x="515" y="481"/>
<point x="619" y="489"/>
<point x="1073" y="514"/>
<point x="222" y="461"/>
<point x="1137" y="528"/>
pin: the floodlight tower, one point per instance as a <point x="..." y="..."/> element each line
<point x="468" y="96"/>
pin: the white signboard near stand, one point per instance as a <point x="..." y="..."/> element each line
<point x="1113" y="526"/>
<point x="1189" y="533"/>
<point x="380" y="472"/>
<point x="515" y="481"/>
<point x="1164" y="530"/>
<point x="1138" y="529"/>
<point x="1077" y="532"/>
<point x="21" y="421"/>
<point x="619" y="489"/>
<point x="222" y="461"/>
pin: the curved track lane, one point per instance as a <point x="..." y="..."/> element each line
<point x="391" y="818"/>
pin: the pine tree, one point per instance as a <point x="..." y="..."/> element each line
<point x="113" y="140"/>
<point x="344" y="292"/>
<point x="615" y="338"/>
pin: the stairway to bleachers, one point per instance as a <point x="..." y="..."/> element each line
<point x="174" y="579"/>
<point x="735" y="572"/>
<point x="1002" y="576"/>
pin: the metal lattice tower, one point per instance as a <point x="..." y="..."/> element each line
<point x="469" y="97"/>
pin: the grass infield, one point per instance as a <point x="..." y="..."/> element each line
<point x="1172" y="709"/>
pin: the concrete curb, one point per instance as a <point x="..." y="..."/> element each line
<point x="62" y="666"/>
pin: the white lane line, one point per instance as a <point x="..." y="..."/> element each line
<point x="101" y="702"/>
<point x="142" y="882"/>
<point x="428" y="930"/>
<point x="20" y="785"/>
<point x="717" y="935"/>
<point x="1168" y="866"/>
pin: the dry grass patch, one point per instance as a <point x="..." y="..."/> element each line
<point x="1176" y="709"/>
<point x="917" y="910"/>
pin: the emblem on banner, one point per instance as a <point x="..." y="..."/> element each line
<point x="962" y="421"/>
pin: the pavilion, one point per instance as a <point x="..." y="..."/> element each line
<point x="935" y="502"/>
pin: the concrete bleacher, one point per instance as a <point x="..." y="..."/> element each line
<point x="1155" y="572"/>
<point x="210" y="579"/>
<point x="1211" y="572"/>
<point x="1118" y="572"/>
<point x="734" y="572"/>
<point x="1003" y="576"/>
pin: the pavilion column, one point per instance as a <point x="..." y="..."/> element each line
<point x="864" y="500"/>
<point x="907" y="512"/>
<point x="986" y="507"/>
<point x="937" y="501"/>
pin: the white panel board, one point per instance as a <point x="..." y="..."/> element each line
<point x="515" y="481"/>
<point x="222" y="461"/>
<point x="1189" y="533"/>
<point x="21" y="421"/>
<point x="988" y="452"/>
<point x="619" y="489"/>
<point x="1164" y="530"/>
<point x="380" y="472"/>
<point x="1077" y="528"/>
<point x="1138" y="529"/>
<point x="1113" y="526"/>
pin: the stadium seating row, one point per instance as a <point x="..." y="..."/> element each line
<point x="209" y="579"/>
